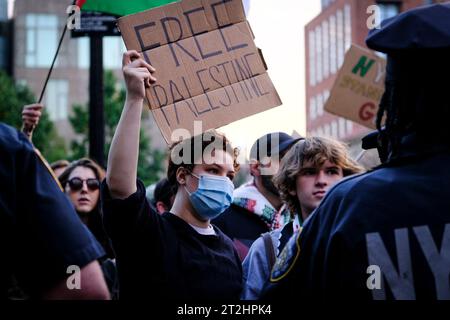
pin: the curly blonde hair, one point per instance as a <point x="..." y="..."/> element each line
<point x="316" y="150"/>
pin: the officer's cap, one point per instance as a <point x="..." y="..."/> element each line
<point x="426" y="27"/>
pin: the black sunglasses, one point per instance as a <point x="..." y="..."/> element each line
<point x="76" y="184"/>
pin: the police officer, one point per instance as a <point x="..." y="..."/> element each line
<point x="46" y="250"/>
<point x="386" y="234"/>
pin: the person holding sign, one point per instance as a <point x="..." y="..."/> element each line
<point x="177" y="255"/>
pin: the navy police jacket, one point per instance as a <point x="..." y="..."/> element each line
<point x="380" y="235"/>
<point x="41" y="236"/>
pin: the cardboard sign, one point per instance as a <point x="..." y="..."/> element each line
<point x="207" y="65"/>
<point x="359" y="87"/>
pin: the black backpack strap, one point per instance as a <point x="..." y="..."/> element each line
<point x="270" y="252"/>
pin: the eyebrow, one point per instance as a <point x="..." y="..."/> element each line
<point x="315" y="168"/>
<point x="218" y="166"/>
<point x="332" y="167"/>
<point x="304" y="169"/>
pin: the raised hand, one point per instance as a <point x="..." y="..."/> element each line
<point x="137" y="73"/>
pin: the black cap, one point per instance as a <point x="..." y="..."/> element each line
<point x="369" y="141"/>
<point x="416" y="41"/>
<point x="271" y="144"/>
<point x="426" y="27"/>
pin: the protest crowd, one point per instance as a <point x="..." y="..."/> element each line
<point x="311" y="223"/>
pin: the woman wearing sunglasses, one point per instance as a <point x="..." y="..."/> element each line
<point x="81" y="183"/>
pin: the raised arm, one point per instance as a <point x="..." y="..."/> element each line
<point x="124" y="151"/>
<point x="30" y="118"/>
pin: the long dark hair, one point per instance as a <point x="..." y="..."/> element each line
<point x="416" y="100"/>
<point x="94" y="221"/>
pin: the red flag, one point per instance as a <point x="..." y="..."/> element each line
<point x="80" y="3"/>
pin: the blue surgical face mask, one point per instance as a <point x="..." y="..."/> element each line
<point x="213" y="196"/>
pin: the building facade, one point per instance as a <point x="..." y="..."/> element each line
<point x="37" y="28"/>
<point x="327" y="38"/>
<point x="5" y="38"/>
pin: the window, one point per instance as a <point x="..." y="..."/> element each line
<point x="340" y="39"/>
<point x="319" y="101"/>
<point x="326" y="95"/>
<point x="113" y="49"/>
<point x="320" y="132"/>
<point x="326" y="49"/>
<point x="327" y="130"/>
<point x="319" y="73"/>
<point x="3" y="52"/>
<point x="334" y="129"/>
<point x="388" y="10"/>
<point x="56" y="99"/>
<point x="326" y="3"/>
<point x="41" y="39"/>
<point x="312" y="108"/>
<point x="84" y="53"/>
<point x="342" y="132"/>
<point x="347" y="27"/>
<point x="333" y="52"/>
<point x="349" y="126"/>
<point x="312" y="58"/>
<point x="21" y="82"/>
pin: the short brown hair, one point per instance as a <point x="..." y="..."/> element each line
<point x="59" y="164"/>
<point x="316" y="150"/>
<point x="203" y="140"/>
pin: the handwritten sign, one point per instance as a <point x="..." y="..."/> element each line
<point x="208" y="67"/>
<point x="359" y="87"/>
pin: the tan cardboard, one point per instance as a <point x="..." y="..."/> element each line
<point x="359" y="87"/>
<point x="207" y="65"/>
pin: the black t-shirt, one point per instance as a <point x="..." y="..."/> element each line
<point x="40" y="233"/>
<point x="164" y="257"/>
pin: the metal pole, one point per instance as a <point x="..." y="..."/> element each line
<point x="96" y="101"/>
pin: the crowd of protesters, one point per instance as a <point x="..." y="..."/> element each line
<point x="309" y="223"/>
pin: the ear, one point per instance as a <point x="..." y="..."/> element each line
<point x="293" y="193"/>
<point x="254" y="168"/>
<point x="161" y="207"/>
<point x="181" y="176"/>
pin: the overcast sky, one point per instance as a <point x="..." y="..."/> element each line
<point x="279" y="31"/>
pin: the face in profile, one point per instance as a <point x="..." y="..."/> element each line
<point x="268" y="168"/>
<point x="83" y="189"/>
